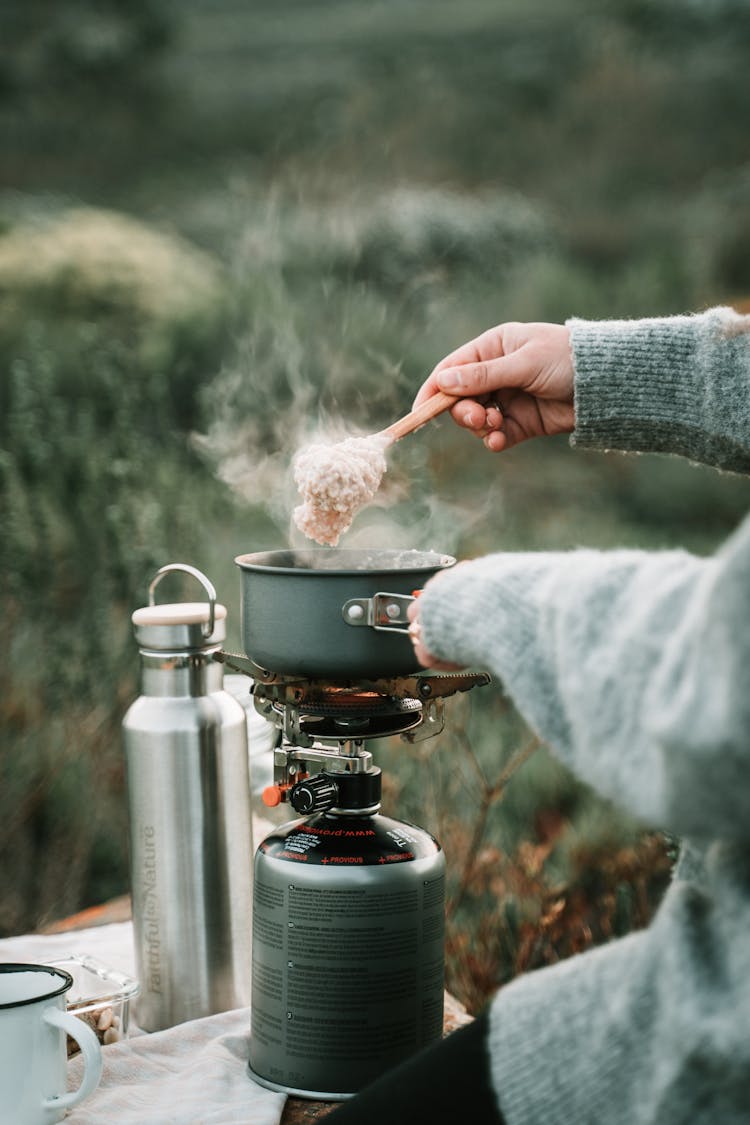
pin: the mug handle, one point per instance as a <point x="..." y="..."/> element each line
<point x="92" y="1057"/>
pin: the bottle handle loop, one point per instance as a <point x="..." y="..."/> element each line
<point x="208" y="586"/>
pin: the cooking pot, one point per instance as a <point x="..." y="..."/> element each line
<point x="333" y="613"/>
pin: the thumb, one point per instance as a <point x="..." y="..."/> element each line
<point x="485" y="376"/>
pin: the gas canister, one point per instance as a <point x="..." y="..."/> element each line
<point x="348" y="938"/>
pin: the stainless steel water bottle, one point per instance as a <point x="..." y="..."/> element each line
<point x="189" y="815"/>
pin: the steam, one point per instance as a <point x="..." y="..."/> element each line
<point x="254" y="454"/>
<point x="315" y="364"/>
<point x="406" y="512"/>
<point x="266" y="480"/>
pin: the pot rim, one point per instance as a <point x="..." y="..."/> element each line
<point x="386" y="561"/>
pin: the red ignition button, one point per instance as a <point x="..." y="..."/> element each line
<point x="271" y="796"/>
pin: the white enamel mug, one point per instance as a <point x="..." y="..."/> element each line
<point x="33" y="1057"/>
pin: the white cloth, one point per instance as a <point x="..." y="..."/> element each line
<point x="192" y="1074"/>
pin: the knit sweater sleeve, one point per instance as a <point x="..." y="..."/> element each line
<point x="665" y="385"/>
<point x="633" y="666"/>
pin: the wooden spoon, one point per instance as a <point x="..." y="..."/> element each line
<point x="430" y="408"/>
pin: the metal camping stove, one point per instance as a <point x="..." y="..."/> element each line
<point x="325" y="728"/>
<point x="348" y="912"/>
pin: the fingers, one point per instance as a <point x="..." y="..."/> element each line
<point x="512" y="383"/>
<point x="485" y="376"/>
<point x="422" y="653"/>
<point x="532" y="357"/>
<point x="493" y="415"/>
<point x="482" y="419"/>
<point x="427" y="390"/>
<point x="487" y="346"/>
<point x="480" y="377"/>
<point x="496" y="441"/>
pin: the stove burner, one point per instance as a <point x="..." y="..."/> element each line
<point x="307" y="709"/>
<point x="341" y="702"/>
<point x="340" y="713"/>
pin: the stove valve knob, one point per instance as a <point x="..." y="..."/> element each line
<point x="316" y="794"/>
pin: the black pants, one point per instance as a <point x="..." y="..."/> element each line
<point x="442" y="1084"/>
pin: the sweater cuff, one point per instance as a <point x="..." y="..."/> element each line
<point x="462" y="594"/>
<point x="566" y="1041"/>
<point x="652" y="385"/>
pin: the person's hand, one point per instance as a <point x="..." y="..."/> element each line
<point x="422" y="653"/>
<point x="515" y="382"/>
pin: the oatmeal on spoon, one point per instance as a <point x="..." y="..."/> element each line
<point x="337" y="480"/>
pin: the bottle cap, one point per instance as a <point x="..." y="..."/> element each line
<point x="180" y="625"/>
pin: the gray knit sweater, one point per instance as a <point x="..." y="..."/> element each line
<point x="635" y="668"/>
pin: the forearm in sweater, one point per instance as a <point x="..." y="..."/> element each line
<point x="665" y="385"/>
<point x="632" y="666"/>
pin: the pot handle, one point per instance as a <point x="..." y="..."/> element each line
<point x="384" y="612"/>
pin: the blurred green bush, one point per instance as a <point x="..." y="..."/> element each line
<point x="107" y="329"/>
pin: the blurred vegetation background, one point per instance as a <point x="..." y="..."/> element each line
<point x="223" y="224"/>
